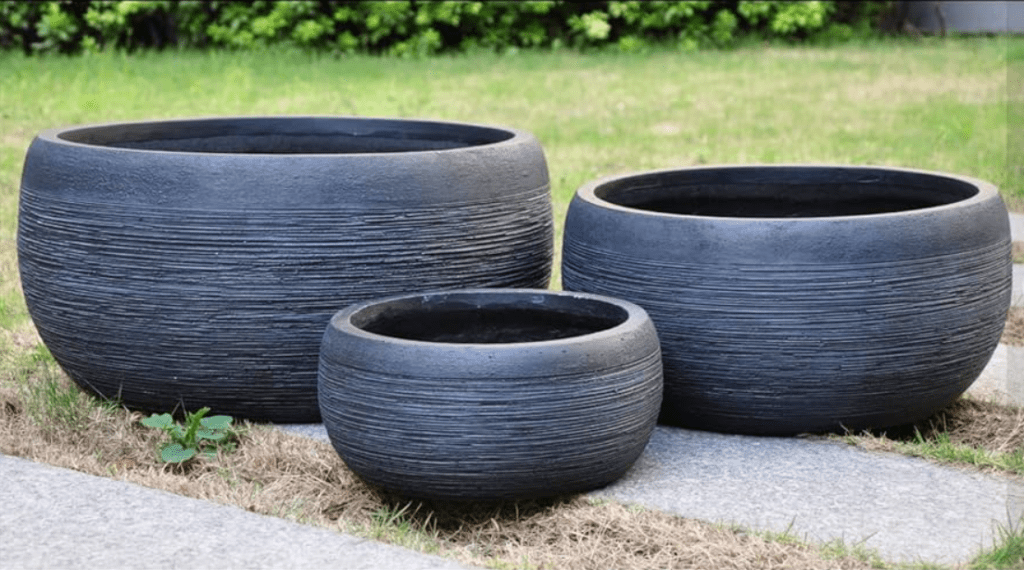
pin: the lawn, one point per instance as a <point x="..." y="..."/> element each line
<point x="930" y="103"/>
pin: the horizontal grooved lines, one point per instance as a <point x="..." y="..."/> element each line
<point x="489" y="241"/>
<point x="807" y="295"/>
<point x="227" y="299"/>
<point x="586" y="425"/>
<point x="829" y="337"/>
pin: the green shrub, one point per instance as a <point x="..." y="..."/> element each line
<point x="787" y="19"/>
<point x="414" y="28"/>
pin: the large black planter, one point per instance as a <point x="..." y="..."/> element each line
<point x="490" y="394"/>
<point x="801" y="298"/>
<point x="196" y="262"/>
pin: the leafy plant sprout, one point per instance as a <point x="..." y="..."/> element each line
<point x="200" y="435"/>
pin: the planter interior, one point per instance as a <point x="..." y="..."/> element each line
<point x="781" y="192"/>
<point x="288" y="135"/>
<point x="513" y="321"/>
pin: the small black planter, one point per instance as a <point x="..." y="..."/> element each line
<point x="197" y="262"/>
<point x="490" y="394"/>
<point x="801" y="298"/>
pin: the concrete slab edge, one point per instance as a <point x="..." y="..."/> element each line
<point x="1002" y="380"/>
<point x="58" y="518"/>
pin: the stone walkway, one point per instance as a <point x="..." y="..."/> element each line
<point x="907" y="509"/>
<point x="1017" y="233"/>
<point x="55" y="518"/>
<point x="1003" y="378"/>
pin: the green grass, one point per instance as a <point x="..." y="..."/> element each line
<point x="929" y="104"/>
<point x="941" y="449"/>
<point x="393" y="525"/>
<point x="49" y="400"/>
<point x="1007" y="552"/>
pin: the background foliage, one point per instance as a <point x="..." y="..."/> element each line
<point x="406" y="28"/>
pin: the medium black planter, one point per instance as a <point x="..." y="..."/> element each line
<point x="197" y="262"/>
<point x="801" y="298"/>
<point x="490" y="394"/>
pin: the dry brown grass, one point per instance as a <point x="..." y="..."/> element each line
<point x="1017" y="252"/>
<point x="979" y="424"/>
<point x="290" y="476"/>
<point x="969" y="424"/>
<point x="1013" y="331"/>
<point x="577" y="533"/>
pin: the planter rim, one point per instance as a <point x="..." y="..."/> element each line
<point x="635" y="315"/>
<point x="53" y="135"/>
<point x="369" y="164"/>
<point x="586" y="192"/>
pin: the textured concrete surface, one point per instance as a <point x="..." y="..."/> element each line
<point x="1017" y="299"/>
<point x="907" y="509"/>
<point x="57" y="518"/>
<point x="1017" y="226"/>
<point x="998" y="382"/>
<point x="312" y="431"/>
<point x="1017" y="234"/>
<point x="1002" y="380"/>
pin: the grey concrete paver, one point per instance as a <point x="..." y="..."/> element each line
<point x="1017" y="297"/>
<point x="53" y="518"/>
<point x="1002" y="380"/>
<point x="1016" y="226"/>
<point x="907" y="509"/>
<point x="1017" y="234"/>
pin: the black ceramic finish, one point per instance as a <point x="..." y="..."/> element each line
<point x="490" y="394"/>
<point x="197" y="262"/>
<point x="801" y="298"/>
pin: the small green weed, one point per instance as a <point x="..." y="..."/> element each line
<point x="50" y="400"/>
<point x="1007" y="553"/>
<point x="394" y="525"/>
<point x="941" y="448"/>
<point x="785" y="537"/>
<point x="838" y="549"/>
<point x="200" y="435"/>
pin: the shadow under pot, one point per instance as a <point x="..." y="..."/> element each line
<point x="490" y="394"/>
<point x="801" y="298"/>
<point x="196" y="262"/>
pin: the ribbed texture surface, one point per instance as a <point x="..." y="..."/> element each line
<point x="781" y="349"/>
<point x="484" y="438"/>
<point x="227" y="308"/>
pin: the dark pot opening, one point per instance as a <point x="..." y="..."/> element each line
<point x="465" y="322"/>
<point x="784" y="192"/>
<point x="288" y="135"/>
